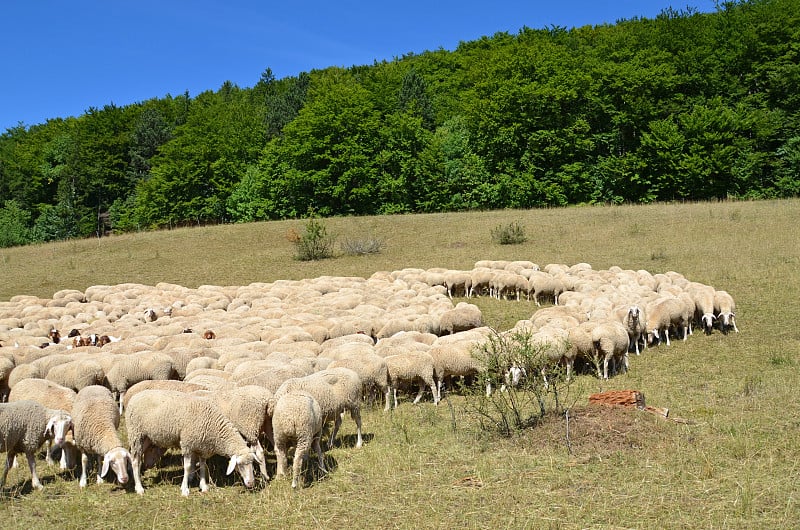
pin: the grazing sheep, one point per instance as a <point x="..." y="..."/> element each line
<point x="461" y="318"/>
<point x="371" y="369"/>
<point x="53" y="396"/>
<point x="161" y="384"/>
<point x="542" y="283"/>
<point x="6" y="367"/>
<point x="130" y="369"/>
<point x="96" y="419"/>
<point x="409" y="368"/>
<point x="248" y="407"/>
<point x="703" y="296"/>
<point x="725" y="311"/>
<point x="336" y="390"/>
<point x="611" y="342"/>
<point x="77" y="374"/>
<point x="664" y="314"/>
<point x="458" y="283"/>
<point x="166" y="419"/>
<point x="454" y="360"/>
<point x="297" y="419"/>
<point x="24" y="427"/>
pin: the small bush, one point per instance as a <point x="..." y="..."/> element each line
<point x="362" y="246"/>
<point x="512" y="408"/>
<point x="511" y="234"/>
<point x="315" y="242"/>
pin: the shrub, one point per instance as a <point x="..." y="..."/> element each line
<point x="362" y="246"/>
<point x="511" y="408"/>
<point x="315" y="242"/>
<point x="511" y="234"/>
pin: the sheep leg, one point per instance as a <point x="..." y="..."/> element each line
<point x="84" y="468"/>
<point x="318" y="450"/>
<point x="262" y="460"/>
<point x="32" y="466"/>
<point x="419" y="394"/>
<point x="202" y="470"/>
<point x="435" y="395"/>
<point x="136" y="464"/>
<point x="9" y="462"/>
<point x="356" y="415"/>
<point x="300" y="454"/>
<point x="280" y="457"/>
<point x="187" y="470"/>
<point x="388" y="398"/>
<point x="394" y="391"/>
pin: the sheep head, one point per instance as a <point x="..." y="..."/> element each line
<point x="117" y="459"/>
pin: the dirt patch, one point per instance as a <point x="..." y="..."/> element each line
<point x="597" y="430"/>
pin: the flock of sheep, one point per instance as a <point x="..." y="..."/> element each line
<point x="236" y="371"/>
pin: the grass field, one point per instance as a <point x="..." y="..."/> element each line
<point x="735" y="463"/>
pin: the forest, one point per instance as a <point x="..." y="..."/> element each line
<point x="686" y="106"/>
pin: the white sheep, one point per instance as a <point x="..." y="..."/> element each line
<point x="703" y="296"/>
<point x="634" y="319"/>
<point x="96" y="420"/>
<point x="542" y="283"/>
<point x="336" y="390"/>
<point x="409" y="368"/>
<point x="297" y="419"/>
<point x="77" y="374"/>
<point x="128" y="370"/>
<point x="24" y="427"/>
<point x="53" y="396"/>
<point x="462" y="317"/>
<point x="725" y="311"/>
<point x="611" y="342"/>
<point x="666" y="313"/>
<point x="157" y="420"/>
<point x="161" y="384"/>
<point x="454" y="359"/>
<point x="248" y="407"/>
<point x="372" y="370"/>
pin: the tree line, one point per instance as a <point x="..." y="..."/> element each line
<point x="683" y="106"/>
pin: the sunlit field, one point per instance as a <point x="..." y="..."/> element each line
<point x="731" y="462"/>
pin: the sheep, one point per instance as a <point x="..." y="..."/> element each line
<point x="157" y="420"/>
<point x="297" y="418"/>
<point x="96" y="419"/>
<point x="454" y="360"/>
<point x="542" y="283"/>
<point x="458" y="283"/>
<point x="410" y="367"/>
<point x="666" y="313"/>
<point x="130" y="369"/>
<point x="161" y="384"/>
<point x="372" y="370"/>
<point x="77" y="374"/>
<point x="725" y="311"/>
<point x="53" y="396"/>
<point x="6" y="367"/>
<point x="336" y="390"/>
<point x="461" y="318"/>
<point x="248" y="407"/>
<point x="703" y="296"/>
<point x="634" y="319"/>
<point x="611" y="341"/>
<point x="24" y="427"/>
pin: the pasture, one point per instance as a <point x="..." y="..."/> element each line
<point x="733" y="464"/>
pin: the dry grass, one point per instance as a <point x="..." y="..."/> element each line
<point x="735" y="466"/>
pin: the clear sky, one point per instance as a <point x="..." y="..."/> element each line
<point x="61" y="57"/>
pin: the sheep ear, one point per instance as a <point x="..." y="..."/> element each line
<point x="48" y="431"/>
<point x="106" y="463"/>
<point x="232" y="464"/>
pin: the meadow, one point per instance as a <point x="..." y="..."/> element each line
<point x="733" y="462"/>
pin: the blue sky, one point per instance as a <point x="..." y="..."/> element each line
<point x="60" y="58"/>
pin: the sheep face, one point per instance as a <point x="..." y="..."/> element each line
<point x="117" y="460"/>
<point x="708" y="322"/>
<point x="243" y="464"/>
<point x="57" y="428"/>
